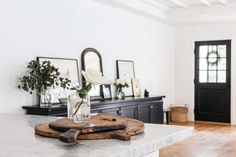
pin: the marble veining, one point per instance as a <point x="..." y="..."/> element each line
<point x="18" y="138"/>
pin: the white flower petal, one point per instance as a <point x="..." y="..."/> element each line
<point x="95" y="77"/>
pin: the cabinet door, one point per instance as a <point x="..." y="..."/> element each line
<point x="143" y="113"/>
<point x="112" y="111"/>
<point x="156" y="112"/>
<point x="128" y="111"/>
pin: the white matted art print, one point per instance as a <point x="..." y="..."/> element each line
<point x="125" y="71"/>
<point x="68" y="68"/>
<point x="136" y="87"/>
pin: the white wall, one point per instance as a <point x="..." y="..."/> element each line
<point x="184" y="61"/>
<point x="60" y="28"/>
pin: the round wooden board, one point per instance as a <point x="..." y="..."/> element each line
<point x="134" y="127"/>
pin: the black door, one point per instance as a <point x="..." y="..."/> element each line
<point x="212" y="81"/>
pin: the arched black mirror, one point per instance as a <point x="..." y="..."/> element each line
<point x="92" y="59"/>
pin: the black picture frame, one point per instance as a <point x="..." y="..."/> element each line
<point x="122" y="72"/>
<point x="106" y="90"/>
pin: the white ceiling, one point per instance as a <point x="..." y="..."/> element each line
<point x="179" y="12"/>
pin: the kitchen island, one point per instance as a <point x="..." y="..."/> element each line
<point x="18" y="139"/>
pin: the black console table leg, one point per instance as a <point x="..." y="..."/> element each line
<point x="167" y="114"/>
<point x="167" y="118"/>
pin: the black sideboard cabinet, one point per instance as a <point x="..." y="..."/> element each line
<point x="148" y="110"/>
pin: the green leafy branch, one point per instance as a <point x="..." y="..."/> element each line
<point x="121" y="86"/>
<point x="64" y="83"/>
<point x="41" y="76"/>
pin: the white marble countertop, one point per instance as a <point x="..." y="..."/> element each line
<point x="17" y="138"/>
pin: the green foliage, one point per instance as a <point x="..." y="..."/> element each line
<point x="64" y="83"/>
<point x="83" y="92"/>
<point x="41" y="76"/>
<point x="120" y="86"/>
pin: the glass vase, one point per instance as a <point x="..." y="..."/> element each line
<point x="120" y="94"/>
<point x="79" y="109"/>
<point x="45" y="98"/>
<point x="63" y="97"/>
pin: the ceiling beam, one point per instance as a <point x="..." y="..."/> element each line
<point x="206" y="3"/>
<point x="179" y="3"/>
<point x="224" y="2"/>
<point x="156" y="4"/>
<point x="137" y="7"/>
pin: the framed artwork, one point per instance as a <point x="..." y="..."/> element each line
<point x="136" y="87"/>
<point x="125" y="71"/>
<point x="68" y="68"/>
<point x="106" y="92"/>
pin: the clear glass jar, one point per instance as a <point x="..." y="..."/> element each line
<point x="120" y="94"/>
<point x="45" y="98"/>
<point x="79" y="108"/>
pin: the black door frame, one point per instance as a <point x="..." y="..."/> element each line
<point x="228" y="73"/>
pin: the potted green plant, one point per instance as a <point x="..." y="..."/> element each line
<point x="40" y="77"/>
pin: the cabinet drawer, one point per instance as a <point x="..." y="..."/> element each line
<point x="112" y="111"/>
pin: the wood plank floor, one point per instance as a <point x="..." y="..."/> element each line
<point x="211" y="140"/>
